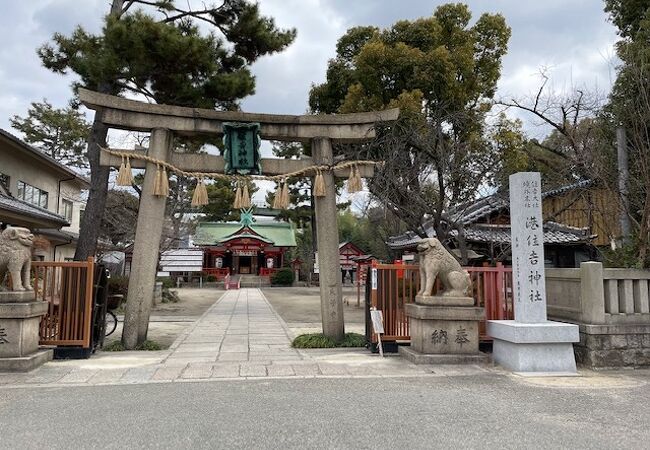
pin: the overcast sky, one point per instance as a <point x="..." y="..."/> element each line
<point x="572" y="38"/>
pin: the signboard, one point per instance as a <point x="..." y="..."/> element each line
<point x="374" y="278"/>
<point x="245" y="253"/>
<point x="377" y="321"/>
<point x="242" y="148"/>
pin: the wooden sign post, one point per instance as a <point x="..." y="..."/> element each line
<point x="377" y="319"/>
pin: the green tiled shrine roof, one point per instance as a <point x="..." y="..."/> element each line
<point x="281" y="234"/>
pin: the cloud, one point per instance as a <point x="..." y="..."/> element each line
<point x="26" y="26"/>
<point x="571" y="38"/>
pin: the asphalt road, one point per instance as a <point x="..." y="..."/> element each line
<point x="444" y="412"/>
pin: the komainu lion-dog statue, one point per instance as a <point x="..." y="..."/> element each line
<point x="16" y="257"/>
<point x="436" y="261"/>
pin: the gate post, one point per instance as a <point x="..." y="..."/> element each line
<point x="151" y="215"/>
<point x="327" y="237"/>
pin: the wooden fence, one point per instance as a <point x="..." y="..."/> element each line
<point x="398" y="284"/>
<point x="68" y="289"/>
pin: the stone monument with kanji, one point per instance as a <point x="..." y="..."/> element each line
<point x="530" y="343"/>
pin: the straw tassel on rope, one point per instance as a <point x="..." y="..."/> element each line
<point x="164" y="183"/>
<point x="161" y="183"/>
<point x="200" y="196"/>
<point x="284" y="196"/>
<point x="124" y="175"/>
<point x="319" y="185"/>
<point x="277" y="198"/>
<point x="245" y="197"/>
<point x="156" y="182"/>
<point x="354" y="181"/>
<point x="237" y="202"/>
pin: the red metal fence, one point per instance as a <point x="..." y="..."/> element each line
<point x="68" y="288"/>
<point x="398" y="284"/>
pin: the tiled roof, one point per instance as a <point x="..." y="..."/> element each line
<point x="58" y="235"/>
<point x="554" y="233"/>
<point x="469" y="213"/>
<point x="21" y="207"/>
<point x="281" y="234"/>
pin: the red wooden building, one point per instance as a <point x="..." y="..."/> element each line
<point x="246" y="247"/>
<point x="348" y="254"/>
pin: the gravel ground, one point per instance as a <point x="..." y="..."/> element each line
<point x="299" y="307"/>
<point x="168" y="320"/>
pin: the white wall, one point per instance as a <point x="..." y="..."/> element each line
<point x="21" y="166"/>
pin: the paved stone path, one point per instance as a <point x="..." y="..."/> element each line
<point x="240" y="327"/>
<point x="239" y="337"/>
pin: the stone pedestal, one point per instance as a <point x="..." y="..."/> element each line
<point x="534" y="348"/>
<point x="20" y="317"/>
<point x="443" y="332"/>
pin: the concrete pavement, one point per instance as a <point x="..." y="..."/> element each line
<point x="485" y="411"/>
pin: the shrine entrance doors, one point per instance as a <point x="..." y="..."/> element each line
<point x="245" y="265"/>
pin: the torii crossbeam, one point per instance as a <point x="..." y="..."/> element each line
<point x="165" y="121"/>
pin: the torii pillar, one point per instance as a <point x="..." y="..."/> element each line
<point x="329" y="262"/>
<point x="148" y="232"/>
<point x="165" y="121"/>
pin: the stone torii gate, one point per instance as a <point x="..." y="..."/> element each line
<point x="165" y="121"/>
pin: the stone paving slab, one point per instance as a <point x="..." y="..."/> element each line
<point x="233" y="356"/>
<point x="107" y="376"/>
<point x="138" y="375"/>
<point x="252" y="370"/>
<point x="168" y="373"/>
<point x="78" y="376"/>
<point x="225" y="371"/>
<point x="194" y="371"/>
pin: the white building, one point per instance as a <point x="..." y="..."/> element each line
<point x="42" y="194"/>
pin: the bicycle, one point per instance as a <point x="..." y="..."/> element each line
<point x="112" y="304"/>
<point x="111" y="323"/>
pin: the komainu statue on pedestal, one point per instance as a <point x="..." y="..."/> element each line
<point x="16" y="257"/>
<point x="436" y="261"/>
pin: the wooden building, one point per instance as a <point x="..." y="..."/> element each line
<point x="244" y="248"/>
<point x="348" y="255"/>
<point x="577" y="219"/>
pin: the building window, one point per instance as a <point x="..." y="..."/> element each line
<point x="4" y="181"/>
<point x="66" y="209"/>
<point x="32" y="194"/>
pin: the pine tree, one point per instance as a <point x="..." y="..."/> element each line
<point x="60" y="133"/>
<point x="156" y="49"/>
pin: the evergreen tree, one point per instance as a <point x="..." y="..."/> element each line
<point x="60" y="133"/>
<point x="629" y="108"/>
<point x="442" y="73"/>
<point x="156" y="49"/>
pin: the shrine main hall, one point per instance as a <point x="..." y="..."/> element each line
<point x="245" y="247"/>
